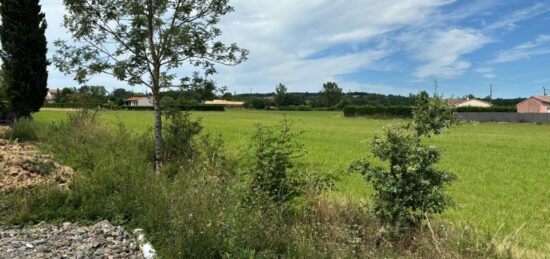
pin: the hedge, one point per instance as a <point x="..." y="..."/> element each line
<point x="487" y="109"/>
<point x="407" y="111"/>
<point x="200" y="107"/>
<point x="73" y="105"/>
<point x="383" y="111"/>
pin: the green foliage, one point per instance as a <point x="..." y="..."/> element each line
<point x="378" y="111"/>
<point x="330" y="96"/>
<point x="432" y="116"/>
<point x="24" y="129"/>
<point x="179" y="132"/>
<point x="412" y="188"/>
<point x="24" y="61"/>
<point x="273" y="157"/>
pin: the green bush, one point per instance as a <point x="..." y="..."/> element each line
<point x="179" y="132"/>
<point x="411" y="188"/>
<point x="273" y="153"/>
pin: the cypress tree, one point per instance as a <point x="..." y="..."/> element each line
<point x="24" y="49"/>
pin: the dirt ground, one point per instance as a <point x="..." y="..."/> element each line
<point x="22" y="166"/>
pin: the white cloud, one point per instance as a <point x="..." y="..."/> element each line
<point x="510" y="21"/>
<point x="442" y="51"/>
<point x="486" y="72"/>
<point x="537" y="47"/>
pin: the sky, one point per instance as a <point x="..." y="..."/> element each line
<point x="387" y="47"/>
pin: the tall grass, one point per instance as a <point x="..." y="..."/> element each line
<point x="23" y="130"/>
<point x="203" y="207"/>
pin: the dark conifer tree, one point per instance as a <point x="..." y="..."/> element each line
<point x="24" y="49"/>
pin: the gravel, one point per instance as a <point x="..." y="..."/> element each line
<point x="101" y="240"/>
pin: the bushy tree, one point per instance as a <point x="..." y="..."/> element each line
<point x="143" y="42"/>
<point x="24" y="49"/>
<point x="280" y="95"/>
<point x="412" y="187"/>
<point x="330" y="96"/>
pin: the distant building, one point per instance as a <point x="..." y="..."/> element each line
<point x="139" y="101"/>
<point x="224" y="102"/>
<point x="535" y="104"/>
<point x="51" y="95"/>
<point x="471" y="102"/>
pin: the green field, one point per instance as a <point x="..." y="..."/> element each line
<point x="503" y="169"/>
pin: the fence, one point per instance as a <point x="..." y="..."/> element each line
<point x="505" y="117"/>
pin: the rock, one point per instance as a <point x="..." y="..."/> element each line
<point x="102" y="240"/>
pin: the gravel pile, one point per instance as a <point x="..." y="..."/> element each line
<point x="101" y="240"/>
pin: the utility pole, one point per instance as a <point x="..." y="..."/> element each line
<point x="491" y="93"/>
<point x="544" y="88"/>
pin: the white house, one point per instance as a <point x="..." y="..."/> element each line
<point x="139" y="101"/>
<point x="472" y="102"/>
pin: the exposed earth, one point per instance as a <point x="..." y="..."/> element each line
<point x="22" y="167"/>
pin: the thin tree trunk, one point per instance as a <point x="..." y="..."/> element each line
<point x="155" y="76"/>
<point x="158" y="132"/>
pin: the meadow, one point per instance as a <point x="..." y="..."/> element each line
<point x="503" y="169"/>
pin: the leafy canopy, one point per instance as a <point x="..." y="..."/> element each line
<point x="142" y="41"/>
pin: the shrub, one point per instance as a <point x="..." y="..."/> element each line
<point x="273" y="153"/>
<point x="179" y="131"/>
<point x="412" y="187"/>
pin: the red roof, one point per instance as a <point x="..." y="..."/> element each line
<point x="544" y="99"/>
<point x="135" y="98"/>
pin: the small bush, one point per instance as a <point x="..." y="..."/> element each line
<point x="273" y="154"/>
<point x="179" y="132"/>
<point x="411" y="189"/>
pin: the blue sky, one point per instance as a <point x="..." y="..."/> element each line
<point x="390" y="47"/>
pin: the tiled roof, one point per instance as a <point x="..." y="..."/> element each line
<point x="544" y="99"/>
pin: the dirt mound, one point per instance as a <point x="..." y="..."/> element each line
<point x="4" y="130"/>
<point x="22" y="167"/>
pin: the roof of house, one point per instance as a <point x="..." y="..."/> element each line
<point x="544" y="99"/>
<point x="135" y="99"/>
<point x="456" y="102"/>
<point x="224" y="102"/>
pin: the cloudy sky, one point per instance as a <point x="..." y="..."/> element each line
<point x="396" y="47"/>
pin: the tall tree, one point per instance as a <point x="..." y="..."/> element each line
<point x="142" y="42"/>
<point x="280" y="95"/>
<point x="24" y="49"/>
<point x="331" y="94"/>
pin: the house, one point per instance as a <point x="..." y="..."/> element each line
<point x="535" y="104"/>
<point x="51" y="95"/>
<point x="224" y="102"/>
<point x="139" y="101"/>
<point x="471" y="102"/>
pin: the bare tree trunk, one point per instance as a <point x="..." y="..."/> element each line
<point x="155" y="76"/>
<point x="158" y="132"/>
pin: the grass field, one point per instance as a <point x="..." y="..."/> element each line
<point x="503" y="169"/>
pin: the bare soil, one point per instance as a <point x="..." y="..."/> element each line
<point x="22" y="166"/>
